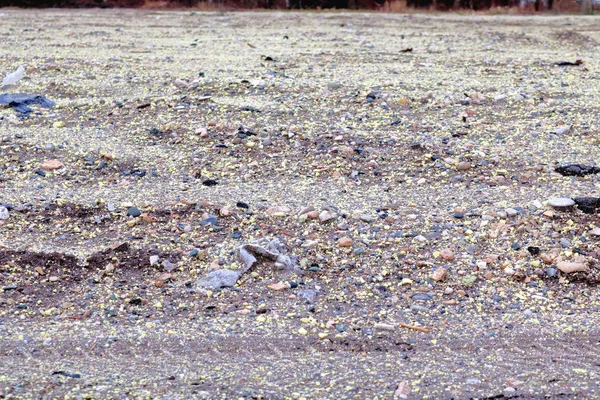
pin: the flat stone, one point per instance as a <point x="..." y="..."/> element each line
<point x="325" y="216"/>
<point x="50" y="165"/>
<point x="569" y="267"/>
<point x="345" y="242"/>
<point x="219" y="278"/>
<point x="421" y="296"/>
<point x="278" y="286"/>
<point x="464" y="166"/>
<point x="560" y="202"/>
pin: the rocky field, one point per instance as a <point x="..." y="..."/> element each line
<point x="405" y="205"/>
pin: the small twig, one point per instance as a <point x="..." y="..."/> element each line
<point x="416" y="328"/>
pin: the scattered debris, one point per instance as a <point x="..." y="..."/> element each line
<point x="274" y="251"/>
<point x="21" y="102"/>
<point x="13" y="77"/>
<point x="577" y="63"/>
<point x="415" y="328"/>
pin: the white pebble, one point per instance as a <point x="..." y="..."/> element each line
<point x="561" y="202"/>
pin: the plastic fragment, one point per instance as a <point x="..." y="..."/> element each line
<point x="13" y="77"/>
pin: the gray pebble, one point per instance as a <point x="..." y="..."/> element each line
<point x="421" y="296"/>
<point x="551" y="272"/>
<point x="134" y="212"/>
<point x="418" y="308"/>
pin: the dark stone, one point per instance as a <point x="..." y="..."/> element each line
<point x="551" y="272"/>
<point x="210" y="182"/>
<point x="577" y="170"/>
<point x="68" y="375"/>
<point x="241" y="204"/>
<point x="588" y="205"/>
<point x="515" y="246"/>
<point x="534" y="251"/>
<point x="459" y="215"/>
<point x="236" y="235"/>
<point x="134" y="212"/>
<point x="421" y="296"/>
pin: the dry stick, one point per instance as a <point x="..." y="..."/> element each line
<point x="416" y="328"/>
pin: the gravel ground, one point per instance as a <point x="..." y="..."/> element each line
<point x="411" y="163"/>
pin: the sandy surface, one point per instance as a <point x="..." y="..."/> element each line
<point x="430" y="140"/>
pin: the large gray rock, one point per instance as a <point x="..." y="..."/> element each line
<point x="220" y="278"/>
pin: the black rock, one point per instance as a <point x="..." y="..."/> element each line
<point x="134" y="212"/>
<point x="588" y="205"/>
<point x="241" y="204"/>
<point x="459" y="215"/>
<point x="577" y="170"/>
<point x="210" y="182"/>
<point x="534" y="251"/>
<point x="40" y="172"/>
<point x="250" y="108"/>
<point x="68" y="375"/>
